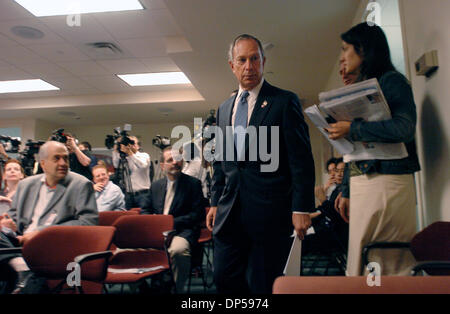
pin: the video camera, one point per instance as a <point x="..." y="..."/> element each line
<point x="122" y="135"/>
<point x="211" y="119"/>
<point x="27" y="155"/>
<point x="11" y="144"/>
<point x="59" y="136"/>
<point x="161" y="141"/>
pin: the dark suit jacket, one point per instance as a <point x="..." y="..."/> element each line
<point x="187" y="206"/>
<point x="267" y="198"/>
<point x="73" y="202"/>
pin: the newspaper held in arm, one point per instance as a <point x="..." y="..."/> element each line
<point x="364" y="100"/>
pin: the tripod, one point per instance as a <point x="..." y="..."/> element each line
<point x="123" y="176"/>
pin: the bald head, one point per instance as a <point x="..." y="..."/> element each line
<point x="44" y="149"/>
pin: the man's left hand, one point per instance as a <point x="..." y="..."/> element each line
<point x="301" y="223"/>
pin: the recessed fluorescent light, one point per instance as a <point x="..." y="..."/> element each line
<point x="21" y="86"/>
<point x="67" y="7"/>
<point x="164" y="78"/>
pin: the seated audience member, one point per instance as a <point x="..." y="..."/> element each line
<point x="86" y="146"/>
<point x="12" y="174"/>
<point x="323" y="192"/>
<point x="79" y="159"/>
<point x="56" y="197"/>
<point x="331" y="231"/>
<point x="108" y="195"/>
<point x="179" y="195"/>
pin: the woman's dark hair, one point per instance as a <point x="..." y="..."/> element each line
<point x="371" y="45"/>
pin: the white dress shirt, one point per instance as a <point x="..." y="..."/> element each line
<point x="45" y="195"/>
<point x="139" y="165"/>
<point x="251" y="101"/>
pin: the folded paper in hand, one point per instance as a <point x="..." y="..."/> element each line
<point x="294" y="261"/>
<point x="133" y="270"/>
<point x="364" y="100"/>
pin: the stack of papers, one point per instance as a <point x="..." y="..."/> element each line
<point x="133" y="270"/>
<point x="364" y="100"/>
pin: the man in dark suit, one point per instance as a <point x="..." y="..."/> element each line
<point x="255" y="208"/>
<point x="181" y="196"/>
<point x="56" y="197"/>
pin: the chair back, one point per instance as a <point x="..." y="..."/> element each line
<point x="52" y="249"/>
<point x="108" y="218"/>
<point x="142" y="231"/>
<point x="359" y="285"/>
<point x="433" y="244"/>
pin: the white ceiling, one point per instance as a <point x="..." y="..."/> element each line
<point x="172" y="35"/>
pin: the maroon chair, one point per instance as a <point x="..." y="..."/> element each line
<point x="205" y="240"/>
<point x="136" y="209"/>
<point x="52" y="249"/>
<point x="431" y="249"/>
<point x="108" y="218"/>
<point x="145" y="236"/>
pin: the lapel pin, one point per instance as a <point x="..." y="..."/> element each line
<point x="264" y="104"/>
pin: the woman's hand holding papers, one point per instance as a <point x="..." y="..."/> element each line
<point x="339" y="130"/>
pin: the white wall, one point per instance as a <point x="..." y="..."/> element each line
<point x="426" y="27"/>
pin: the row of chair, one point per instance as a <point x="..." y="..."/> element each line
<point x="125" y="248"/>
<point x="145" y="238"/>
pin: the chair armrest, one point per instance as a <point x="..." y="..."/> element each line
<point x="435" y="265"/>
<point x="11" y="250"/>
<point x="381" y="245"/>
<point x="80" y="259"/>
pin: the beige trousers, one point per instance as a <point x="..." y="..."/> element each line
<point x="382" y="208"/>
<point x="180" y="255"/>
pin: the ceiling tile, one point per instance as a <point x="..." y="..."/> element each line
<point x="49" y="35"/>
<point x="108" y="84"/>
<point x="11" y="72"/>
<point x="177" y="44"/>
<point x="68" y="83"/>
<point x="138" y="24"/>
<point x="84" y="68"/>
<point x="160" y="64"/>
<point x="10" y="10"/>
<point x="145" y="47"/>
<point x="89" y="30"/>
<point x="123" y="66"/>
<point x="5" y="41"/>
<point x="46" y="70"/>
<point x="59" y="52"/>
<point x="19" y="55"/>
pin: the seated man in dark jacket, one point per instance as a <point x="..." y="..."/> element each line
<point x="330" y="230"/>
<point x="179" y="195"/>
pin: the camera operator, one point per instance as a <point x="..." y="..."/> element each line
<point x="139" y="165"/>
<point x="79" y="159"/>
<point x="3" y="154"/>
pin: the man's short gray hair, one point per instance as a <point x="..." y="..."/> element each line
<point x="244" y="37"/>
<point x="43" y="150"/>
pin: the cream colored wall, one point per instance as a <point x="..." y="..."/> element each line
<point x="426" y="27"/>
<point x="27" y="127"/>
